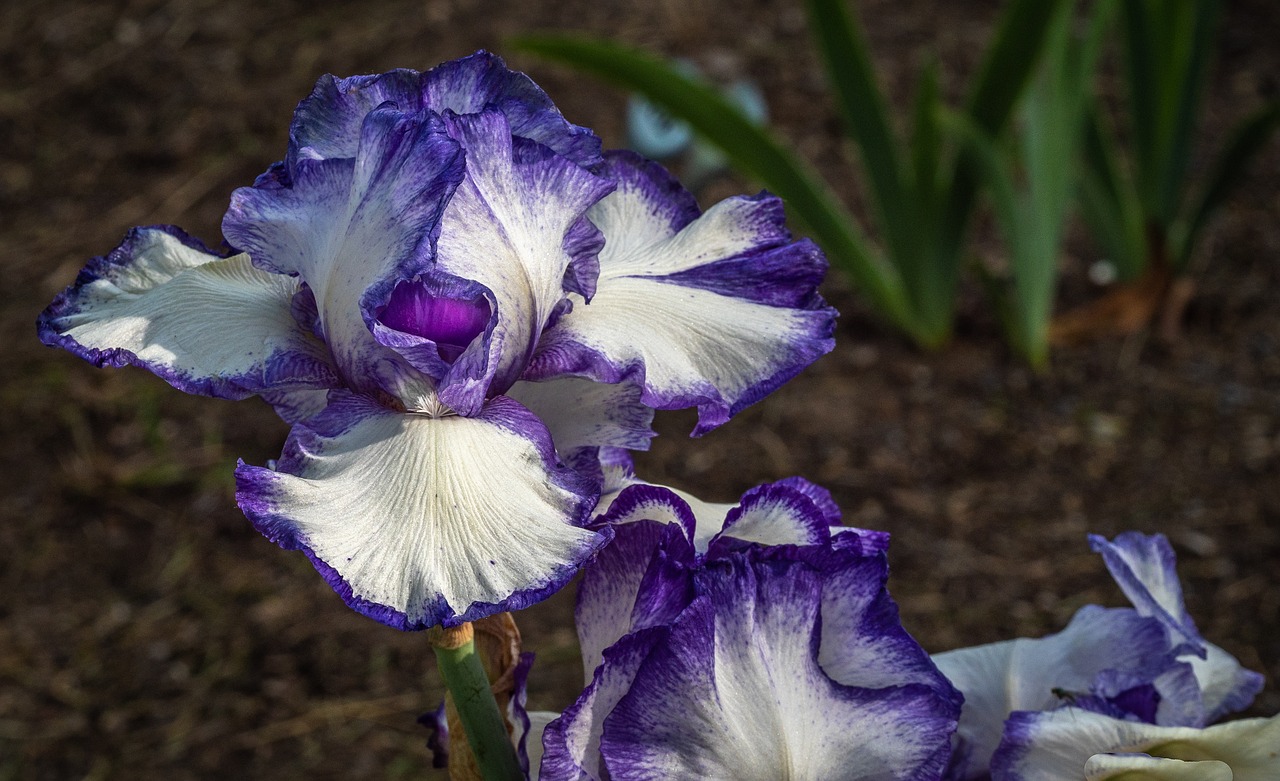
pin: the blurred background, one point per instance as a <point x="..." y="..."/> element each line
<point x="147" y="631"/>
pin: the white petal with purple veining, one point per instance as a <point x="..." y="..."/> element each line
<point x="1036" y="674"/>
<point x="352" y="228"/>
<point x="418" y="520"/>
<point x="293" y="406"/>
<point x="1056" y="745"/>
<point x="714" y="312"/>
<point x="327" y="122"/>
<point x="1145" y="568"/>
<point x="863" y="641"/>
<point x="507" y="228"/>
<point x="736" y="692"/>
<point x="1225" y="685"/>
<point x="205" y="323"/>
<point x="582" y="413"/>
<point x="642" y="578"/>
<point x="776" y="515"/>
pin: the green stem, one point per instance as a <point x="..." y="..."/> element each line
<point x="482" y="722"/>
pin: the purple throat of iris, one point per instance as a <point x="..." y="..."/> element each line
<point x="452" y="322"/>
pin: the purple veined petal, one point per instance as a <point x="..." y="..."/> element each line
<point x="1145" y="568"/>
<point x="713" y="312"/>
<point x="296" y="406"/>
<point x="1141" y="767"/>
<point x="820" y="497"/>
<point x="522" y="721"/>
<point x="1225" y="685"/>
<point x="204" y="323"/>
<point x="511" y="228"/>
<point x="736" y="691"/>
<point x="637" y="500"/>
<point x="1039" y="674"/>
<point x="792" y="512"/>
<point x="571" y="743"/>
<point x="773" y="515"/>
<point x="352" y="229"/>
<point x="472" y="84"/>
<point x="327" y="123"/>
<point x="581" y="413"/>
<point x="619" y="470"/>
<point x="1057" y="745"/>
<point x="863" y="641"/>
<point x="642" y="578"/>
<point x="1170" y="699"/>
<point x="417" y="521"/>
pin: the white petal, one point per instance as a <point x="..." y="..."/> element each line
<point x="713" y="313"/>
<point x="353" y="228"/>
<point x="1033" y="675"/>
<point x="204" y="323"/>
<point x="506" y="228"/>
<point x="583" y="413"/>
<point x="1056" y="745"/>
<point x="417" y="520"/>
<point x="1225" y="685"/>
<point x="1140" y="767"/>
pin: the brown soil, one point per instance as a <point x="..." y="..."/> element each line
<point x="149" y="632"/>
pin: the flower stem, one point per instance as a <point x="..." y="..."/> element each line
<point x="482" y="722"/>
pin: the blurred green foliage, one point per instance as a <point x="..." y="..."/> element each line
<point x="1143" y="206"/>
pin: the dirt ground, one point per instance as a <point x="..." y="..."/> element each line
<point x="147" y="631"/>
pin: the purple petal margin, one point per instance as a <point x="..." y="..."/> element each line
<point x="258" y="496"/>
<point x="275" y="373"/>
<point x="327" y="122"/>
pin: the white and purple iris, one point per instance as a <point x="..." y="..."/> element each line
<point x="767" y="649"/>
<point x="455" y="299"/>
<point x="1119" y="691"/>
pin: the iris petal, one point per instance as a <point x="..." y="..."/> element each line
<point x="713" y="312"/>
<point x="205" y="323"/>
<point x="400" y="512"/>
<point x="351" y="229"/>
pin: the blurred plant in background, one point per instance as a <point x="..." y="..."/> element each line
<point x="924" y="185"/>
<point x="1031" y="178"/>
<point x="1143" y="201"/>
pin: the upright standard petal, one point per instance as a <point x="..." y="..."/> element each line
<point x="327" y="122"/>
<point x="1057" y="745"/>
<point x="713" y="311"/>
<point x="643" y="578"/>
<point x="417" y="521"/>
<point x="736" y="691"/>
<point x="510" y="227"/>
<point x="1145" y="567"/>
<point x="352" y="229"/>
<point x="203" y="322"/>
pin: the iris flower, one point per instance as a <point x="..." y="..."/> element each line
<point x="768" y="650"/>
<point x="1112" y="678"/>
<point x="455" y="299"/>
